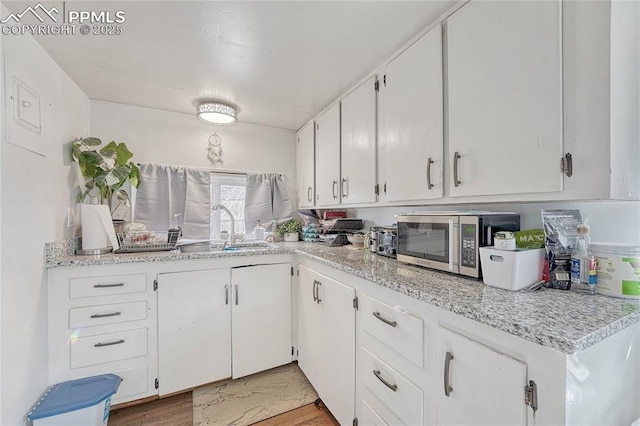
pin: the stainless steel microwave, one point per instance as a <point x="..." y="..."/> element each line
<point x="449" y="241"/>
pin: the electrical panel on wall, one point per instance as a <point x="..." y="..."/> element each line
<point x="24" y="110"/>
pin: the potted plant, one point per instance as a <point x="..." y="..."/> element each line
<point x="105" y="170"/>
<point x="289" y="230"/>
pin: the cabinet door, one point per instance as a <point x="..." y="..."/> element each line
<point x="486" y="387"/>
<point x="305" y="165"/>
<point x="309" y="326"/>
<point x="410" y="133"/>
<point x="358" y="145"/>
<point x="261" y="318"/>
<point x="505" y="98"/>
<point x="326" y="351"/>
<point x="194" y="329"/>
<point x="328" y="157"/>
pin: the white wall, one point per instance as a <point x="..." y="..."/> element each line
<point x="35" y="192"/>
<point x="610" y="221"/>
<point x="156" y="136"/>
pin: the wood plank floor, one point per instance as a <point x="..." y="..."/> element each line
<point x="178" y="411"/>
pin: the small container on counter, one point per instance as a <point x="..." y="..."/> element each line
<point x="504" y="240"/>
<point x="259" y="231"/>
<point x="618" y="269"/>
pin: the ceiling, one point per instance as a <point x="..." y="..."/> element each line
<point x="280" y="62"/>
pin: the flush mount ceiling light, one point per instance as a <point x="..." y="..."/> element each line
<point x="216" y="113"/>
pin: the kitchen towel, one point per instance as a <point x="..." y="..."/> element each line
<point x="97" y="227"/>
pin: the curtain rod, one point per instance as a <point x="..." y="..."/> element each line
<point x="225" y="171"/>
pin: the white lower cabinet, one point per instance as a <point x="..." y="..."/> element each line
<point x="102" y="319"/>
<point x="369" y="416"/>
<point x="326" y="340"/>
<point x="261" y="318"/>
<point x="220" y="323"/>
<point x="389" y="363"/>
<point x="480" y="386"/>
<point x="194" y="328"/>
<point x="381" y="382"/>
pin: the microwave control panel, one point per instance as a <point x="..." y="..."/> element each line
<point x="469" y="250"/>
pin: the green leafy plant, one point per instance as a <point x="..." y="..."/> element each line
<point x="105" y="170"/>
<point x="291" y="226"/>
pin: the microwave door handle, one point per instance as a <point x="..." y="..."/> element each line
<point x="487" y="242"/>
<point x="451" y="246"/>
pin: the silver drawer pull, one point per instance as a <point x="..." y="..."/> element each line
<point x="108" y="285"/>
<point x="117" y="342"/>
<point x="447" y="378"/>
<point x="384" y="320"/>
<point x="385" y="382"/>
<point x="112" y="314"/>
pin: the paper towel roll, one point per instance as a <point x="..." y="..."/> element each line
<point x="97" y="227"/>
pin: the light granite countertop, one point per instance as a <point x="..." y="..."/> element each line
<point x="568" y="321"/>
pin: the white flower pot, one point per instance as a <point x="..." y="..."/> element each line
<point x="291" y="237"/>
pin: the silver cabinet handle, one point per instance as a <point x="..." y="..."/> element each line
<point x="112" y="314"/>
<point x="318" y="300"/>
<point x="309" y="194"/>
<point x="334" y="189"/>
<point x="315" y="289"/>
<point x="226" y="294"/>
<point x="385" y="382"/>
<point x="345" y="193"/>
<point x="384" y="320"/>
<point x="101" y="345"/>
<point x="429" y="163"/>
<point x="447" y="379"/>
<point x="456" y="157"/>
<point x="108" y="285"/>
<point x="236" y="294"/>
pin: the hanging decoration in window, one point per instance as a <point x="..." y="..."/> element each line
<point x="214" y="151"/>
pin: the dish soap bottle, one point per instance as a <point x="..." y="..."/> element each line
<point x="259" y="232"/>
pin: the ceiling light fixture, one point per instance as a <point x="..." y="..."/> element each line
<point x="214" y="112"/>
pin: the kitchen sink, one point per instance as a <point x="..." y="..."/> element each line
<point x="216" y="246"/>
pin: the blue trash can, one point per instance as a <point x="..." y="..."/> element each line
<point x="82" y="402"/>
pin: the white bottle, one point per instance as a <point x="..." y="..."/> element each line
<point x="579" y="255"/>
<point x="259" y="232"/>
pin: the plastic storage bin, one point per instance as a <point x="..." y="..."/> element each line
<point x="81" y="402"/>
<point x="511" y="270"/>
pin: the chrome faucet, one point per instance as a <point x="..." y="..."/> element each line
<point x="233" y="221"/>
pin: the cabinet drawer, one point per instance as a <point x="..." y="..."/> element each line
<point x="107" y="314"/>
<point x="108" y="347"/>
<point x="134" y="382"/>
<point x="107" y="285"/>
<point x="401" y="331"/>
<point x="369" y="416"/>
<point x="402" y="397"/>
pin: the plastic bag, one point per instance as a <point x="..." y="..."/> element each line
<point x="560" y="229"/>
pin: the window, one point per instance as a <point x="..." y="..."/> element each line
<point x="230" y="191"/>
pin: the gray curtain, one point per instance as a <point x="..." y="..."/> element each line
<point x="170" y="195"/>
<point x="267" y="200"/>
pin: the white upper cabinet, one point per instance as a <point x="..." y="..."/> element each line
<point x="328" y="157"/>
<point x="358" y="145"/>
<point x="410" y="122"/>
<point x="504" y="96"/>
<point x="305" y="165"/>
